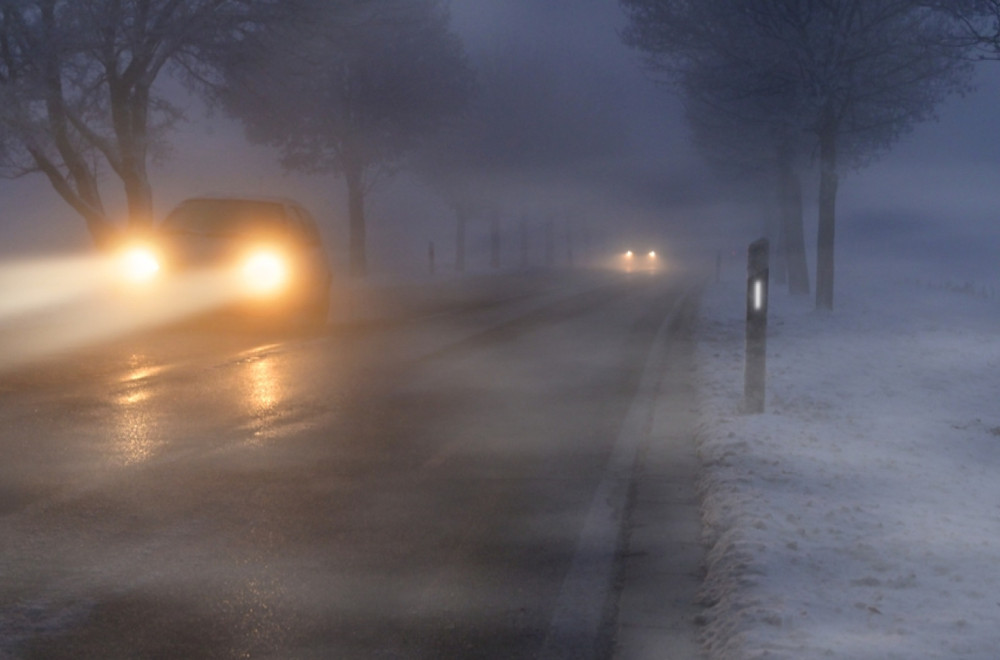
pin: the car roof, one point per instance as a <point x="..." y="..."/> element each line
<point x="242" y="198"/>
<point x="304" y="214"/>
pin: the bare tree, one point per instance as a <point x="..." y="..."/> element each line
<point x="78" y="96"/>
<point x="856" y="74"/>
<point x="984" y="22"/>
<point x="977" y="23"/>
<point x="741" y="123"/>
<point x="453" y="165"/>
<point x="351" y="89"/>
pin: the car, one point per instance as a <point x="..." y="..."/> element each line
<point x="266" y="254"/>
<point x="644" y="260"/>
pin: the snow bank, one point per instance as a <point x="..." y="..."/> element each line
<point x="859" y="517"/>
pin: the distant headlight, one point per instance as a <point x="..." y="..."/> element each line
<point x="628" y="254"/>
<point x="652" y="254"/>
<point x="264" y="272"/>
<point x="139" y="264"/>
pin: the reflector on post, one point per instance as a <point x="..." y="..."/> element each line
<point x="756" y="332"/>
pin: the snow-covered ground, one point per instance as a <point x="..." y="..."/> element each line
<point x="859" y="517"/>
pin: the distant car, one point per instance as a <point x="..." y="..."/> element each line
<point x="647" y="260"/>
<point x="267" y="253"/>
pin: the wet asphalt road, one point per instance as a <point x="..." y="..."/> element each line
<point x="409" y="487"/>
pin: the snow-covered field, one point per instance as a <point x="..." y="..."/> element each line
<point x="859" y="517"/>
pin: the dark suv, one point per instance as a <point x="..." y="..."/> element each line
<point x="265" y="255"/>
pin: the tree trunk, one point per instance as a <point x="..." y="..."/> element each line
<point x="129" y="116"/>
<point x="86" y="202"/>
<point x="139" y="199"/>
<point x="792" y="230"/>
<point x="105" y="235"/>
<point x="827" y="215"/>
<point x="77" y="184"/>
<point x="358" y="259"/>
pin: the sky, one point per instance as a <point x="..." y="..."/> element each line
<point x="932" y="197"/>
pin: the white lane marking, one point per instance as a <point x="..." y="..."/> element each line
<point x="579" y="611"/>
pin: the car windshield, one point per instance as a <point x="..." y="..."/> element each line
<point x="225" y="217"/>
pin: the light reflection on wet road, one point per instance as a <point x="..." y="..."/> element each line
<point x="135" y="433"/>
<point x="408" y="490"/>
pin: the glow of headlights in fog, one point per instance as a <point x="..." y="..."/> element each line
<point x="29" y="286"/>
<point x="264" y="272"/>
<point x="628" y="254"/>
<point x="139" y="264"/>
<point x="56" y="303"/>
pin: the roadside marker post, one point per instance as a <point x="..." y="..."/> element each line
<point x="755" y="371"/>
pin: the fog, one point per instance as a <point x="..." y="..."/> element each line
<point x="59" y="303"/>
<point x="929" y="208"/>
<point x="929" y="200"/>
<point x="479" y="415"/>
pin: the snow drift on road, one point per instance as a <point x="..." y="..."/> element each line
<point x="859" y="517"/>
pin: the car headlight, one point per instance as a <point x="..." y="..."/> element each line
<point x="264" y="272"/>
<point x="139" y="264"/>
<point x="628" y="254"/>
<point x="652" y="254"/>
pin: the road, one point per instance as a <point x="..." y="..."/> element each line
<point x="413" y="484"/>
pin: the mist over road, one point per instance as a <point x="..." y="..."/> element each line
<point x="412" y="484"/>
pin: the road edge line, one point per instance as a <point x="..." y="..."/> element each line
<point x="581" y="607"/>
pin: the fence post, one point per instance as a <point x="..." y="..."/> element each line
<point x="756" y="332"/>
